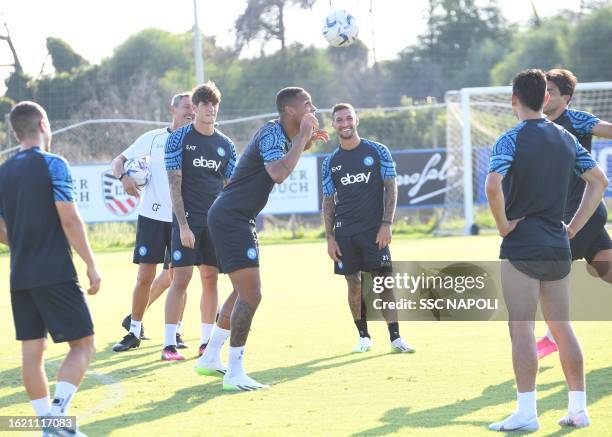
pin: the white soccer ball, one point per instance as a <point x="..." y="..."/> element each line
<point x="138" y="170"/>
<point x="340" y="28"/>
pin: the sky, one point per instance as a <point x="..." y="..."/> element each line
<point x="95" y="28"/>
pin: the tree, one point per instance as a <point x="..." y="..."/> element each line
<point x="542" y="47"/>
<point x="590" y="49"/>
<point x="265" y="20"/>
<point x="64" y="58"/>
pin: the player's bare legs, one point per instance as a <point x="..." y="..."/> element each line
<point x="521" y="296"/>
<point x="175" y="302"/>
<point x="142" y="289"/>
<point x="209" y="303"/>
<point x="160" y="284"/>
<point x="247" y="285"/>
<point x="33" y="368"/>
<point x="209" y="363"/>
<point x="555" y="308"/>
<point x="602" y="263"/>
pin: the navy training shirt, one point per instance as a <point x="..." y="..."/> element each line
<point x="30" y="183"/>
<point x="249" y="188"/>
<point x="537" y="159"/>
<point x="580" y="124"/>
<point x="356" y="178"/>
<point x="205" y="161"/>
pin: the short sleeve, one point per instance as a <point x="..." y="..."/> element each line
<point x="231" y="162"/>
<point x="61" y="179"/>
<point x="329" y="189"/>
<point x="173" y="156"/>
<point x="584" y="160"/>
<point x="502" y="155"/>
<point x="387" y="166"/>
<point x="271" y="147"/>
<point x="582" y="122"/>
<point x="141" y="148"/>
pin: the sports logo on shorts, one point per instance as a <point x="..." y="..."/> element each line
<point x="221" y="152"/>
<point x="142" y="250"/>
<point x="252" y="253"/>
<point x="340" y="265"/>
<point x="115" y="198"/>
<point x="369" y="161"/>
<point x="177" y="255"/>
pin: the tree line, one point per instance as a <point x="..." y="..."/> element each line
<point x="467" y="43"/>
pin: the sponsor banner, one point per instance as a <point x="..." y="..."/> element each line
<point x="422" y="177"/>
<point x="100" y="197"/>
<point x="299" y="193"/>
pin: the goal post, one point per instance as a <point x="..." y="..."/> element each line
<point x="475" y="118"/>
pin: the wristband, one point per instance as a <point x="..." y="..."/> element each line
<point x="387" y="222"/>
<point x="121" y="177"/>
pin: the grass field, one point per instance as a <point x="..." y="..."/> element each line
<point x="459" y="380"/>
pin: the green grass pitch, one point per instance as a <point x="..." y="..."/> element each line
<point x="459" y="380"/>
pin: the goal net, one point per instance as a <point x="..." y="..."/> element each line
<point x="476" y="117"/>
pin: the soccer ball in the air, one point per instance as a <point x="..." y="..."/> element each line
<point x="340" y="28"/>
<point x="138" y="170"/>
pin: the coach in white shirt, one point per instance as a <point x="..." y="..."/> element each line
<point x="153" y="232"/>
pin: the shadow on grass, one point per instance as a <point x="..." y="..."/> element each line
<point x="105" y="358"/>
<point x="191" y="397"/>
<point x="403" y="421"/>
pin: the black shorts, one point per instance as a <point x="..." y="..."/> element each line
<point x="203" y="251"/>
<point x="60" y="310"/>
<point x="543" y="263"/>
<point x="235" y="239"/>
<point x="360" y="253"/>
<point x="153" y="239"/>
<point x="593" y="237"/>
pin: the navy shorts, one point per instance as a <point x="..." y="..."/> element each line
<point x="203" y="251"/>
<point x="593" y="237"/>
<point x="360" y="253"/>
<point x="153" y="239"/>
<point x="235" y="239"/>
<point x="59" y="309"/>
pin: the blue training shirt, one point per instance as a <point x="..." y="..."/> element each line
<point x="205" y="161"/>
<point x="30" y="183"/>
<point x="580" y="124"/>
<point x="249" y="188"/>
<point x="356" y="179"/>
<point x="537" y="159"/>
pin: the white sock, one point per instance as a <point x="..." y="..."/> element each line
<point x="234" y="362"/>
<point x="135" y="326"/>
<point x="170" y="334"/>
<point x="527" y="404"/>
<point x="64" y="392"/>
<point x="41" y="406"/>
<point x="205" y="329"/>
<point x="577" y="401"/>
<point x="178" y="326"/>
<point x="215" y="344"/>
<point x="550" y="336"/>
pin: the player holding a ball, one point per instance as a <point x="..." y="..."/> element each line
<point x="153" y="231"/>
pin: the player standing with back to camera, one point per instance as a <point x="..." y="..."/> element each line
<point x="527" y="186"/>
<point x="359" y="200"/>
<point x="269" y="159"/>
<point x="593" y="242"/>
<point x="199" y="161"/>
<point x="40" y="222"/>
<point x="154" y="228"/>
